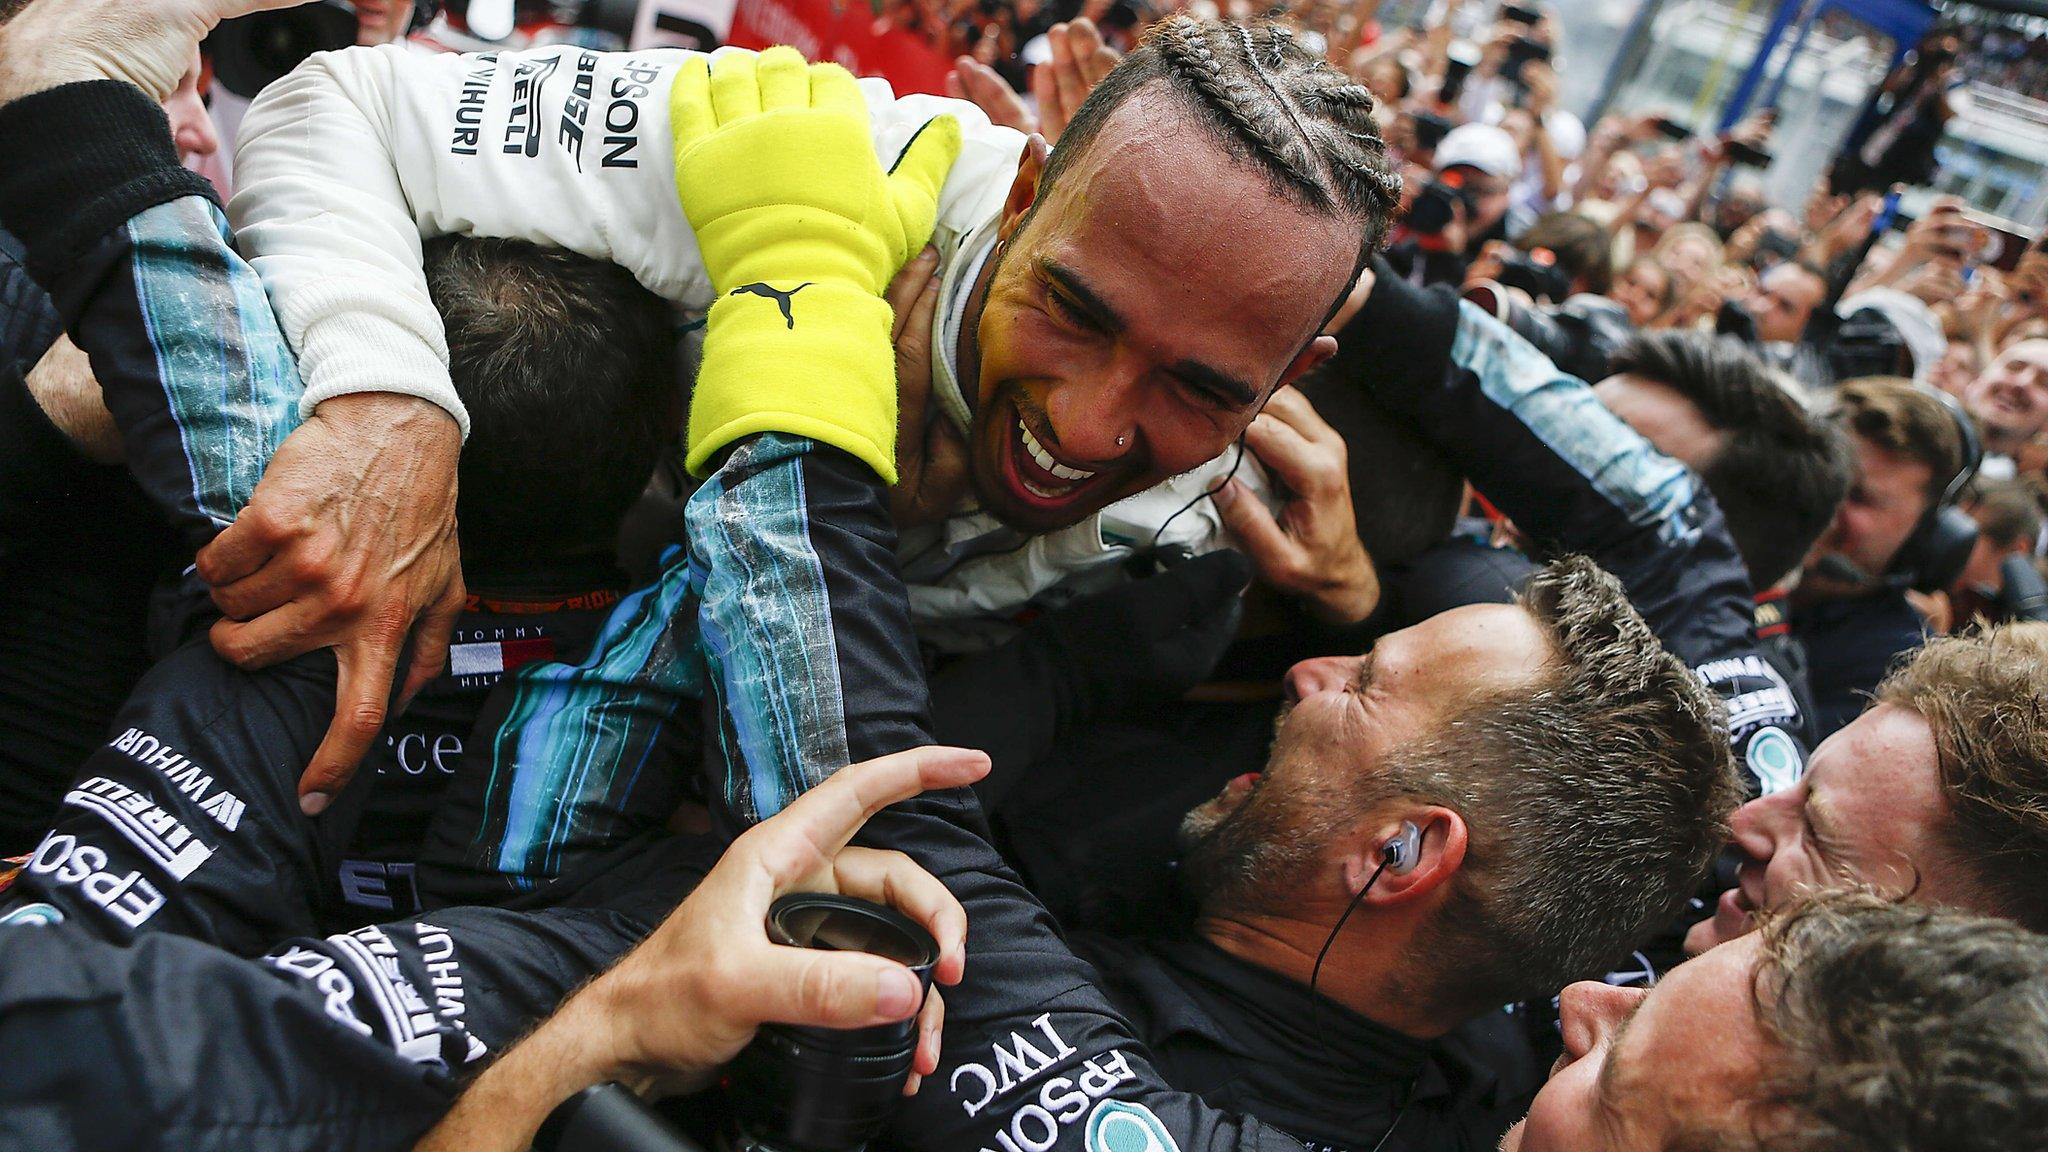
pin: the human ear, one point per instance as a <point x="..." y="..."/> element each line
<point x="1024" y="189"/>
<point x="1308" y="360"/>
<point x="1443" y="844"/>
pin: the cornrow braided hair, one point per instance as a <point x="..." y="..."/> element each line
<point x="1271" y="102"/>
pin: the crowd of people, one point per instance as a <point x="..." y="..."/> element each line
<point x="1357" y="611"/>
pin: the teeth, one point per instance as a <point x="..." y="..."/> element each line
<point x="1045" y="461"/>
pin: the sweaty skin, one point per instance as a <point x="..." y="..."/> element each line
<point x="1156" y="296"/>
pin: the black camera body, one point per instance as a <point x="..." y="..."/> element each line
<point x="1435" y="207"/>
<point x="249" y="52"/>
<point x="1521" y="52"/>
<point x="1536" y="273"/>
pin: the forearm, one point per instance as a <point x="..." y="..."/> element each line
<point x="129" y="1052"/>
<point x="1536" y="441"/>
<point x="1696" y="192"/>
<point x="345" y="165"/>
<point x="134" y="254"/>
<point x="503" y="1108"/>
<point x="805" y="624"/>
<point x="1551" y="163"/>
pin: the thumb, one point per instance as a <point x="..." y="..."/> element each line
<point x="920" y="172"/>
<point x="1246" y="517"/>
<point x="834" y="989"/>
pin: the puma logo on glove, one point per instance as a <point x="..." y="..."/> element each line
<point x="781" y="299"/>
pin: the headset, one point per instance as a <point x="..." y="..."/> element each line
<point x="1398" y="855"/>
<point x="1934" y="555"/>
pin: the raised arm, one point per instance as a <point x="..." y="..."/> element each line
<point x="1574" y="477"/>
<point x="344" y="166"/>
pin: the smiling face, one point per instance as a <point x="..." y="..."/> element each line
<point x="2010" y="398"/>
<point x="1642" y="1068"/>
<point x="1345" y="718"/>
<point x="1869" y="810"/>
<point x="1138" y="318"/>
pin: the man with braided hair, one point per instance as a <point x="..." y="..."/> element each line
<point x="1109" y="318"/>
<point x="348" y="162"/>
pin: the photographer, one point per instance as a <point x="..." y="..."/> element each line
<point x="1550" y="286"/>
<point x="2001" y="580"/>
<point x="1465" y="205"/>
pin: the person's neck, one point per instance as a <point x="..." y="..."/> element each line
<point x="1999" y="442"/>
<point x="1360" y="972"/>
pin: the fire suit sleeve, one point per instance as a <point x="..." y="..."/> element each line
<point x="169" y="1043"/>
<point x="135" y="256"/>
<point x="806" y="629"/>
<point x="1544" y="450"/>
<point x="343" y="167"/>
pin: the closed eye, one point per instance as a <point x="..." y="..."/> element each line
<point x="1071" y="312"/>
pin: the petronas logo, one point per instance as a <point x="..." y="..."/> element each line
<point x="1117" y="1126"/>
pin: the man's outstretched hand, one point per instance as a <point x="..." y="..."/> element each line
<point x="691" y="996"/>
<point x="348" y="543"/>
<point x="147" y="43"/>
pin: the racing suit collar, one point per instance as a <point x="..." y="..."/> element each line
<point x="1329" y="1045"/>
<point x="956" y="287"/>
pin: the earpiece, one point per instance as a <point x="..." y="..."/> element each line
<point x="1404" y="851"/>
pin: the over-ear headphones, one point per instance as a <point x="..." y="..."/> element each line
<point x="1404" y="851"/>
<point x="1934" y="556"/>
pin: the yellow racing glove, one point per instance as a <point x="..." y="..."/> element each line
<point x="800" y="230"/>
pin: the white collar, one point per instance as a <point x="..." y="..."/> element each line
<point x="956" y="287"/>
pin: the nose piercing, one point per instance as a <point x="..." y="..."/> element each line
<point x="1120" y="441"/>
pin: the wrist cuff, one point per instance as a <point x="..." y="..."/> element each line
<point x="817" y="364"/>
<point x="81" y="160"/>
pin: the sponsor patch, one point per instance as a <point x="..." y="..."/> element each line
<point x="126" y="896"/>
<point x="1774" y="760"/>
<point x="492" y="656"/>
<point x="1023" y="1063"/>
<point x="37" y="913"/>
<point x="136" y="816"/>
<point x="224" y="806"/>
<point x="1121" y="1126"/>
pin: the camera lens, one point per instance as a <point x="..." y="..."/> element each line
<point x="821" y="1089"/>
<point x="249" y="52"/>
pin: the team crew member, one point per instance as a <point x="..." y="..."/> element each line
<point x="1847" y="1023"/>
<point x="1030" y="981"/>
